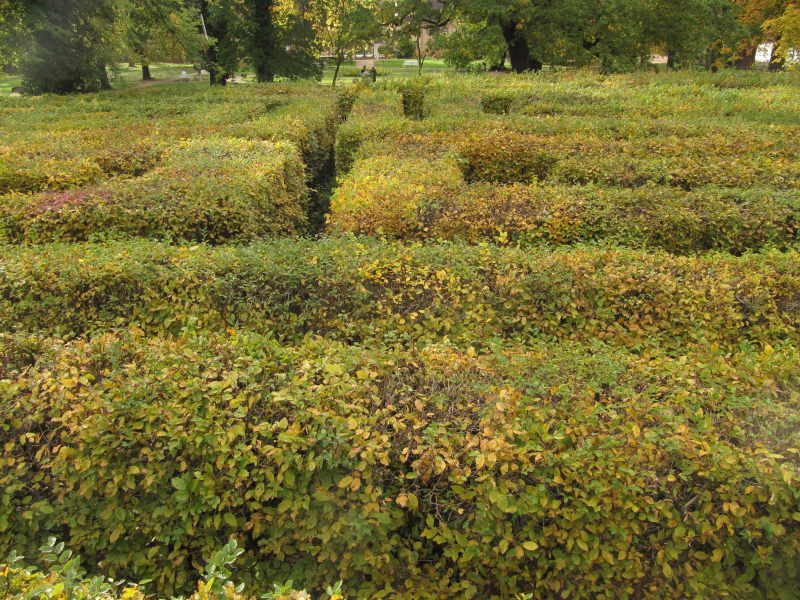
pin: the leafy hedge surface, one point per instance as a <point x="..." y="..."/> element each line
<point x="208" y="189"/>
<point x="64" y="578"/>
<point x="668" y="163"/>
<point x="51" y="136"/>
<point x="164" y="163"/>
<point x="418" y="420"/>
<point x="419" y="198"/>
<point x="562" y="470"/>
<point x="361" y="289"/>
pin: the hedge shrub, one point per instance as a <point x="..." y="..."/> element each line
<point x="53" y="143"/>
<point x="556" y="471"/>
<point x="505" y="158"/>
<point x="496" y="104"/>
<point x="412" y="95"/>
<point x="63" y="578"/>
<point x="209" y="190"/>
<point x="386" y="195"/>
<point x="24" y="175"/>
<point x="438" y="205"/>
<point x="361" y="289"/>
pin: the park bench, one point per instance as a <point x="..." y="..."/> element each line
<point x="410" y="63"/>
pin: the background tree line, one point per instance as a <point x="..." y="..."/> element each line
<point x="65" y="46"/>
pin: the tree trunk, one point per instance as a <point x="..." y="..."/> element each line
<point x="336" y="72"/>
<point x="105" y="84"/>
<point x="146" y="76"/>
<point x="747" y="58"/>
<point x="671" y="60"/>
<point x="420" y="55"/>
<point x="264" y="74"/>
<point x="216" y="73"/>
<point x="264" y="40"/>
<point x="518" y="50"/>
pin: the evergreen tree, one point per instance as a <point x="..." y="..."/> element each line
<point x="71" y="43"/>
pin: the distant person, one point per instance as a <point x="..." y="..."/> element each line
<point x="364" y="72"/>
<point x="373" y="73"/>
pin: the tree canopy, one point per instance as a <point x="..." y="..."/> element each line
<point x="65" y="45"/>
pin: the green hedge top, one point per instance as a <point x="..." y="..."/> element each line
<point x="52" y="143"/>
<point x="432" y="473"/>
<point x="361" y="289"/>
<point x="210" y="190"/>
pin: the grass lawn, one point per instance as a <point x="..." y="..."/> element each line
<point x="6" y="83"/>
<point x="125" y="77"/>
<point x="391" y="68"/>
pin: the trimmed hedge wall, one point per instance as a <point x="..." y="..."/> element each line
<point x="636" y="143"/>
<point x="361" y="289"/>
<point x="209" y="190"/>
<point x="558" y="471"/>
<point x="426" y="198"/>
<point x="166" y="163"/>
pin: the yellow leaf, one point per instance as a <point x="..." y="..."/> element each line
<point x="530" y="545"/>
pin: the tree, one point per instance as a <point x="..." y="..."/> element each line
<point x="753" y="16"/>
<point x="160" y="29"/>
<point x="261" y="37"/>
<point x="784" y="31"/>
<point x="609" y="31"/>
<point x="219" y="20"/>
<point x="618" y="33"/>
<point x="297" y="40"/>
<point x="522" y="23"/>
<point x="344" y="26"/>
<point x="13" y="32"/>
<point x="685" y="29"/>
<point x="415" y="19"/>
<point x="472" y="42"/>
<point x="71" y="43"/>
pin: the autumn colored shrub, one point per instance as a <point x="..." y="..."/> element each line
<point x="496" y="104"/>
<point x="433" y="472"/>
<point x="362" y="289"/>
<point x="74" y="142"/>
<point x="685" y="173"/>
<point x="64" y="578"/>
<point x="505" y="158"/>
<point x="565" y="365"/>
<point x="25" y="175"/>
<point x="413" y="94"/>
<point x="309" y="123"/>
<point x="210" y="190"/>
<point x="134" y="160"/>
<point x="441" y="206"/>
<point x="643" y="169"/>
<point x="377" y="198"/>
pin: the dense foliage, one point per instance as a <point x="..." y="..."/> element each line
<point x="221" y="165"/>
<point x="432" y="472"/>
<point x="681" y="165"/>
<point x="588" y="389"/>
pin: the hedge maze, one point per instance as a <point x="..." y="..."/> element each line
<point x="545" y="340"/>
